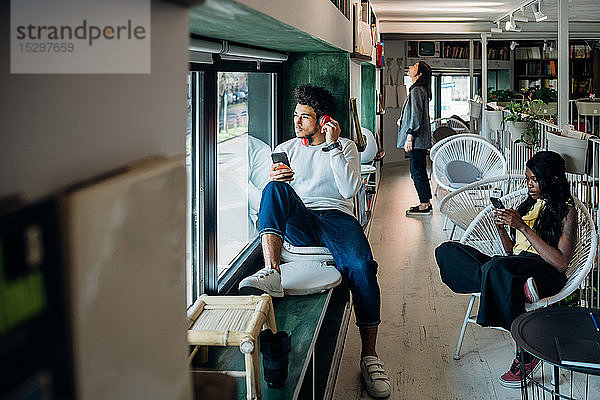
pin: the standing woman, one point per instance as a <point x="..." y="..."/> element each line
<point x="414" y="133"/>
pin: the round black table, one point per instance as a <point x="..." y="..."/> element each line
<point x="535" y="332"/>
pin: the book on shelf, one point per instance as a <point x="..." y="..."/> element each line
<point x="529" y="83"/>
<point x="532" y="68"/>
<point x="579" y="51"/>
<point x="550" y="83"/>
<point x="527" y="53"/>
<point x="549" y="68"/>
<point x="550" y="52"/>
<point x="452" y="51"/>
<point x="578" y="352"/>
<point x="500" y="53"/>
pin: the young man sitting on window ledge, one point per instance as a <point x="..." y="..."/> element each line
<point x="310" y="204"/>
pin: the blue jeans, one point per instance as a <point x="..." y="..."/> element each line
<point x="418" y="173"/>
<point x="283" y="213"/>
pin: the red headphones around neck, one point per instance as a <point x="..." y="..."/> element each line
<point x="323" y="119"/>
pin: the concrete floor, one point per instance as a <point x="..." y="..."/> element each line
<point x="421" y="317"/>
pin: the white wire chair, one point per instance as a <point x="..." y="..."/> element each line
<point x="483" y="235"/>
<point x="445" y="140"/>
<point x="471" y="150"/>
<point x="463" y="205"/>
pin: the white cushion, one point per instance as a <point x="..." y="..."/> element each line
<point x="308" y="277"/>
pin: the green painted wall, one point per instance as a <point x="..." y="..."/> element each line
<point x="329" y="70"/>
<point x="367" y="96"/>
<point x="228" y="20"/>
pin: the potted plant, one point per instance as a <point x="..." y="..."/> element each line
<point x="521" y="124"/>
<point x="549" y="101"/>
<point x="504" y="97"/>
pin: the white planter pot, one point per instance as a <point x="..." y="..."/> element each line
<point x="516" y="129"/>
<point x="474" y="109"/>
<point x="588" y="107"/>
<point x="494" y="120"/>
<point x="573" y="150"/>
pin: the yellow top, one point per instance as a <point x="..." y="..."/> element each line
<point x="521" y="242"/>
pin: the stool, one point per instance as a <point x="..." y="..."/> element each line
<point x="307" y="270"/>
<point x="233" y="321"/>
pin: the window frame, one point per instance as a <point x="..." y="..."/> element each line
<point x="208" y="279"/>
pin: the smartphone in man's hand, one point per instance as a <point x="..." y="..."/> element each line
<point x="496" y="202"/>
<point x="280" y="158"/>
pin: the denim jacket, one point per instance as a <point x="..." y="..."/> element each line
<point x="415" y="119"/>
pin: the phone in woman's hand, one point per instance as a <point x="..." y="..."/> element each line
<point x="496" y="202"/>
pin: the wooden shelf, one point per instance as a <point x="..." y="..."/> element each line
<point x="361" y="57"/>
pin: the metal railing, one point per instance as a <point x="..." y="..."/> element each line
<point x="586" y="187"/>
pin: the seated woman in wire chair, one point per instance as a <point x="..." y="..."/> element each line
<point x="545" y="225"/>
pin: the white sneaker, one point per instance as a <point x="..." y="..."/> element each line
<point x="376" y="380"/>
<point x="266" y="280"/>
<point x="531" y="292"/>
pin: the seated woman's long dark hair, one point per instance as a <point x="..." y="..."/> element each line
<point x="549" y="169"/>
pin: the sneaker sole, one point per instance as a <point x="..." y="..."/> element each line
<point x="419" y="213"/>
<point x="374" y="395"/>
<point x="250" y="290"/>
<point x="517" y="385"/>
<point x="530" y="291"/>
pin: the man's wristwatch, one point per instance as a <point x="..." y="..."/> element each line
<point x="332" y="146"/>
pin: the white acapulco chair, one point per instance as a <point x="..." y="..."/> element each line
<point x="466" y="159"/>
<point x="483" y="235"/>
<point x="462" y="206"/>
<point x="441" y="142"/>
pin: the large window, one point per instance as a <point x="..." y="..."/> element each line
<point x="244" y="139"/>
<point x="195" y="182"/>
<point x="455" y="96"/>
<point x="232" y="120"/>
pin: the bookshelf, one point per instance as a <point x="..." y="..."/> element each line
<point x="455" y="55"/>
<point x="497" y="51"/>
<point x="536" y="65"/>
<point x="580" y="69"/>
<point x="455" y="50"/>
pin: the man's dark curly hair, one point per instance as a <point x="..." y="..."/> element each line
<point x="320" y="99"/>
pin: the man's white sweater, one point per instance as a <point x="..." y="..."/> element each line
<point x="324" y="180"/>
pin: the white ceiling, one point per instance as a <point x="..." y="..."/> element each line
<point x="475" y="16"/>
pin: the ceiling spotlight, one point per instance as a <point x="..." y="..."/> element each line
<point x="513" y="45"/>
<point x="537" y="11"/>
<point x="497" y="28"/>
<point x="522" y="17"/>
<point x="511" y="25"/>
